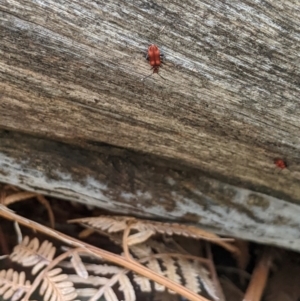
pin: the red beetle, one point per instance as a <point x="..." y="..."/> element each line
<point x="155" y="59"/>
<point x="280" y="163"/>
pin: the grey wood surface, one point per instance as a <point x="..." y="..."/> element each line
<point x="125" y="182"/>
<point x="229" y="104"/>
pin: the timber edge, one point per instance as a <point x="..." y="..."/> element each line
<point x="126" y="182"/>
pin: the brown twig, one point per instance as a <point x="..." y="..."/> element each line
<point x="175" y="255"/>
<point x="44" y="202"/>
<point x="17" y="197"/>
<point x="125" y="242"/>
<point x="22" y="196"/>
<point x="259" y="277"/>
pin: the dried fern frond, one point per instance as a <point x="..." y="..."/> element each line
<point x="109" y="295"/>
<point x="110" y="224"/>
<point x="143" y="283"/>
<point x="146" y="228"/>
<point x="179" y="269"/>
<point x="99" y="253"/>
<point x="145" y="251"/>
<point x="31" y="253"/>
<point x="79" y="266"/>
<point x="98" y="269"/>
<point x="126" y="287"/>
<point x="105" y="286"/>
<point x="56" y="287"/>
<point x="207" y="283"/>
<point x="91" y="280"/>
<point x="164" y="266"/>
<point x="86" y="292"/>
<point x="13" y="285"/>
<point x="139" y="237"/>
<point x="190" y="274"/>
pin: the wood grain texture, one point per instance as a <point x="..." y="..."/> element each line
<point x="71" y="70"/>
<point x="146" y="186"/>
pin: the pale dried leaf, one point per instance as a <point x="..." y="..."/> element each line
<point x="30" y="253"/>
<point x="124" y="285"/>
<point x="144" y="251"/>
<point x="139" y="237"/>
<point x="91" y="280"/>
<point x="99" y="269"/>
<point x="86" y="292"/>
<point x="86" y="233"/>
<point x="56" y="287"/>
<point x="38" y="267"/>
<point x="18" y="232"/>
<point x="171" y="270"/>
<point x="206" y="281"/>
<point x="17" y="295"/>
<point x="110" y="295"/>
<point x="143" y="283"/>
<point x="154" y="265"/>
<point x="13" y="284"/>
<point x="111" y="224"/>
<point x="79" y="266"/>
<point x="189" y="274"/>
<point x="127" y="288"/>
<point x="141" y="251"/>
<point x="103" y="269"/>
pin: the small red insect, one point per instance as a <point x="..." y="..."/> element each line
<point x="280" y="163"/>
<point x="155" y="59"/>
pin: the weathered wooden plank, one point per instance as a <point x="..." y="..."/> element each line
<point x="71" y="70"/>
<point x="134" y="184"/>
